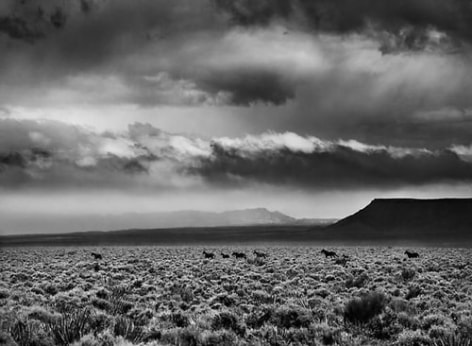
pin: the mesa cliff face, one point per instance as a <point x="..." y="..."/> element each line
<point x="409" y="219"/>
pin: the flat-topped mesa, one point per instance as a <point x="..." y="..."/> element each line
<point x="411" y="217"/>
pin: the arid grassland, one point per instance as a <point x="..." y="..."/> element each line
<point x="176" y="296"/>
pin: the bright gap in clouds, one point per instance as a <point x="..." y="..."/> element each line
<point x="296" y="203"/>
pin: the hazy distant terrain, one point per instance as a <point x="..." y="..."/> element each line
<point x="382" y="222"/>
<point x="44" y="223"/>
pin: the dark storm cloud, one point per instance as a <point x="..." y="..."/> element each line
<point x="407" y="20"/>
<point x="246" y="87"/>
<point x="131" y="41"/>
<point x="80" y="36"/>
<point x="338" y="167"/>
<point x="316" y="67"/>
<point x="59" y="156"/>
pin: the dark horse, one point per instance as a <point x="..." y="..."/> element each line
<point x="97" y="256"/>
<point x="260" y="254"/>
<point x="208" y="254"/>
<point x="224" y="255"/>
<point x="412" y="254"/>
<point x="329" y="253"/>
<point x="239" y="254"/>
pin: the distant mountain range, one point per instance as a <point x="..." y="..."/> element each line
<point x="438" y="222"/>
<point x="19" y="223"/>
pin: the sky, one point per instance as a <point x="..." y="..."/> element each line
<point x="309" y="107"/>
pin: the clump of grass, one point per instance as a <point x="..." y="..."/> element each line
<point x="179" y="319"/>
<point x="219" y="338"/>
<point x="413" y="292"/>
<point x="362" y="310"/>
<point x="51" y="289"/>
<point x="262" y="297"/>
<point x="358" y="281"/>
<point x="40" y="314"/>
<point x="189" y="336"/>
<point x="4" y="294"/>
<point x="6" y="339"/>
<point x="292" y="317"/>
<point x="126" y="328"/>
<point x="87" y="340"/>
<point x="408" y="274"/>
<point x="22" y="332"/>
<point x="101" y="304"/>
<point x="413" y="338"/>
<point x="228" y="320"/>
<point x="70" y="326"/>
<point x="455" y="339"/>
<point x="257" y="319"/>
<point x="29" y="333"/>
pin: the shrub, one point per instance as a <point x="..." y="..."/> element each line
<point x="262" y="297"/>
<point x="408" y="321"/>
<point x="432" y="319"/>
<point x="384" y="326"/>
<point x="292" y="317"/>
<point x="102" y="304"/>
<point x="70" y="327"/>
<point x="361" y="310"/>
<point x="189" y="337"/>
<point x="125" y="327"/>
<point x="87" y="340"/>
<point x="408" y="274"/>
<point x="256" y="319"/>
<point x="228" y="320"/>
<point x="103" y="294"/>
<point x="4" y="294"/>
<point x="358" y="282"/>
<point x="6" y="339"/>
<point x="219" y="338"/>
<point x="22" y="332"/>
<point x="179" y="319"/>
<point x="439" y="332"/>
<point x="413" y="292"/>
<point x="413" y="338"/>
<point x="99" y="322"/>
<point x="187" y="295"/>
<point x="40" y="314"/>
<point x="454" y="339"/>
<point x="51" y="289"/>
<point x="120" y="306"/>
<point x="29" y="333"/>
<point x="328" y="334"/>
<point x="182" y="337"/>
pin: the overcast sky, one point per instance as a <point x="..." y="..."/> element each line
<point x="310" y="107"/>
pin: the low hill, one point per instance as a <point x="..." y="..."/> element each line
<point x="23" y="223"/>
<point x="166" y="236"/>
<point x="427" y="220"/>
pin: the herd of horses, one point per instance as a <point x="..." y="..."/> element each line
<point x="241" y="255"/>
<point x="328" y="254"/>
<point x="236" y="254"/>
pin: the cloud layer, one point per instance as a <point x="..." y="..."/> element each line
<point x="55" y="155"/>
<point x="391" y="73"/>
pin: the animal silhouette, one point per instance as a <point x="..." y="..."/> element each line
<point x="329" y="253"/>
<point x="97" y="256"/>
<point x="260" y="254"/>
<point x="412" y="254"/>
<point x="239" y="254"/>
<point x="224" y="255"/>
<point x="208" y="254"/>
